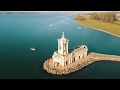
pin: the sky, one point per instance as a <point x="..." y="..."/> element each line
<point x="58" y="11"/>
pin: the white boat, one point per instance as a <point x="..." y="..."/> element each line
<point x="51" y="25"/>
<point x="32" y="48"/>
<point x="79" y="27"/>
<point x="65" y="23"/>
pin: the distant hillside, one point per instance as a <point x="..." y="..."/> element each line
<point x="37" y="12"/>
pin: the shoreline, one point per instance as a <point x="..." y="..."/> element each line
<point x="99" y="30"/>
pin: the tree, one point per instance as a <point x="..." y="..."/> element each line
<point x="79" y="17"/>
<point x="94" y="16"/>
<point x="107" y="17"/>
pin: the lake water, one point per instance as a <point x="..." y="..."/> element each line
<point x="19" y="32"/>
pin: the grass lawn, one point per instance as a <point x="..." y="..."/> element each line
<point x="109" y="27"/>
<point x="117" y="22"/>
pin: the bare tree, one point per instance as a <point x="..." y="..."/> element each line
<point x="94" y="16"/>
<point x="107" y="16"/>
<point x="79" y="17"/>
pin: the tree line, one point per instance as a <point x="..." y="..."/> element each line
<point x="103" y="16"/>
<point x="79" y="17"/>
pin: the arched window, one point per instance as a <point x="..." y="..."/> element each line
<point x="65" y="46"/>
<point x="60" y="47"/>
<point x="66" y="62"/>
<point x="73" y="60"/>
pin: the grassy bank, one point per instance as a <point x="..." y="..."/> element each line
<point x="113" y="28"/>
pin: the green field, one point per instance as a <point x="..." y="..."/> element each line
<point x="109" y="27"/>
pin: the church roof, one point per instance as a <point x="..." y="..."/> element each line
<point x="77" y="48"/>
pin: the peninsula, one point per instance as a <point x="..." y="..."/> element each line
<point x="93" y="21"/>
<point x="66" y="60"/>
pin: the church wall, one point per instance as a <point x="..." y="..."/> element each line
<point x="69" y="59"/>
<point x="81" y="54"/>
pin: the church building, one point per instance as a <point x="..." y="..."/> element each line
<point x="64" y="56"/>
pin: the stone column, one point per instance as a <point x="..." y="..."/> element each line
<point x="69" y="61"/>
<point x="76" y="58"/>
<point x="67" y="47"/>
<point x="62" y="63"/>
<point x="53" y="62"/>
<point x="81" y="56"/>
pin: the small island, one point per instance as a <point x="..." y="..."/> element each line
<point x="65" y="61"/>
